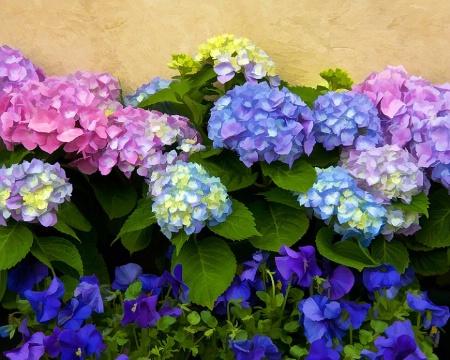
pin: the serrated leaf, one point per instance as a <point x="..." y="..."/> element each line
<point x="117" y="201"/>
<point x="178" y="239"/>
<point x="141" y="218"/>
<point x="348" y="252"/>
<point x="208" y="269"/>
<point x="435" y="232"/>
<point x="390" y="252"/>
<point x="278" y="225"/>
<point x="137" y="240"/>
<point x="430" y="263"/>
<point x="62" y="227"/>
<point x="281" y="196"/>
<point x="239" y="225"/>
<point x="69" y="214"/>
<point x="419" y="203"/>
<point x="300" y="177"/>
<point x="49" y="249"/>
<point x="232" y="172"/>
<point x="15" y="243"/>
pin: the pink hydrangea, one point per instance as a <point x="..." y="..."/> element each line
<point x="137" y="138"/>
<point x="15" y="69"/>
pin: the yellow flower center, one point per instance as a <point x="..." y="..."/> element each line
<point x="39" y="198"/>
<point x="78" y="353"/>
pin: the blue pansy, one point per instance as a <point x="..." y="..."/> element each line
<point x="88" y="290"/>
<point x="125" y="275"/>
<point x="260" y="347"/>
<point x="320" y="351"/>
<point x="77" y="345"/>
<point x="27" y="273"/>
<point x="141" y="311"/>
<point x="432" y="314"/>
<point x="73" y="315"/>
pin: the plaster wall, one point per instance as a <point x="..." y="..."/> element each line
<point x="133" y="40"/>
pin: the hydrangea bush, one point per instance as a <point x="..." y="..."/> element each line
<point x="223" y="213"/>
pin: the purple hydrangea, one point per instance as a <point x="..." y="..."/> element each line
<point x="15" y="69"/>
<point x="441" y="174"/>
<point x="138" y="138"/>
<point x="258" y="348"/>
<point x="346" y="119"/>
<point x="36" y="189"/>
<point x="336" y="196"/>
<point x="400" y="221"/>
<point x="145" y="91"/>
<point x="302" y="264"/>
<point x="261" y="123"/>
<point x="186" y="197"/>
<point x="432" y="314"/>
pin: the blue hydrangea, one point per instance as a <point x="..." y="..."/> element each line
<point x="440" y="173"/>
<point x="262" y="123"/>
<point x="335" y="196"/>
<point x="186" y="197"/>
<point x="145" y="91"/>
<point x="346" y="119"/>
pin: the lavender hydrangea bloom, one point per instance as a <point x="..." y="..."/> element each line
<point x="15" y="69"/>
<point x="138" y="138"/>
<point x="37" y="188"/>
<point x="260" y="347"/>
<point x="346" y="119"/>
<point x="400" y="221"/>
<point x="301" y="264"/>
<point x="186" y="197"/>
<point x="335" y="195"/>
<point x="432" y="315"/>
<point x="145" y="91"/>
<point x="262" y="124"/>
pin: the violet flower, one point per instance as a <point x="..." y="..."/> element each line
<point x="432" y="315"/>
<point x="141" y="311"/>
<point x="239" y="290"/>
<point x="260" y="347"/>
<point x="320" y="351"/>
<point x="25" y="275"/>
<point x="338" y="283"/>
<point x="125" y="275"/>
<point x="32" y="349"/>
<point x="51" y="343"/>
<point x="381" y="277"/>
<point x="73" y="315"/>
<point x="88" y="290"/>
<point x="179" y="289"/>
<point x="76" y="345"/>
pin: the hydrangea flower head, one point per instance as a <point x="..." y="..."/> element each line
<point x="37" y="188"/>
<point x="258" y="348"/>
<point x="440" y="173"/>
<point x="346" y="119"/>
<point x="15" y="69"/>
<point x="186" y="197"/>
<point x="336" y="195"/>
<point x="137" y="138"/>
<point x="145" y="91"/>
<point x="432" y="314"/>
<point x="389" y="173"/>
<point x="400" y="221"/>
<point x="262" y="124"/>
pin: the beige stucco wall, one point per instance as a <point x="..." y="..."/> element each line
<point x="134" y="39"/>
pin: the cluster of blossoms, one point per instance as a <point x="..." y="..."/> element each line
<point x="232" y="54"/>
<point x="32" y="191"/>
<point x="137" y="138"/>
<point x="414" y="115"/>
<point x="186" y="197"/>
<point x="336" y="196"/>
<point x="262" y="124"/>
<point x="15" y="69"/>
<point x="346" y="119"/>
<point x="145" y="91"/>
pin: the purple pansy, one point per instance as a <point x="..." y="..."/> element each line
<point x="73" y="315"/>
<point x="320" y="351"/>
<point x="51" y="343"/>
<point x="88" y="290"/>
<point x="32" y="349"/>
<point x="260" y="347"/>
<point x="46" y="303"/>
<point x="179" y="289"/>
<point x="141" y="311"/>
<point x="352" y="314"/>
<point x="301" y="264"/>
<point x="238" y="290"/>
<point x="338" y="283"/>
<point x="381" y="277"/>
<point x="432" y="314"/>
<point x="27" y="273"/>
<point x="125" y="275"/>
<point x="250" y="268"/>
<point x="75" y="345"/>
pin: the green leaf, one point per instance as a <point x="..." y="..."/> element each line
<point x="49" y="249"/>
<point x="62" y="227"/>
<point x="178" y="239"/>
<point x="198" y="110"/>
<point x="142" y="217"/>
<point x="300" y="177"/>
<point x="321" y="157"/>
<point x="281" y="196"/>
<point x="419" y="203"/>
<point x="278" y="225"/>
<point x="193" y="318"/>
<point x="232" y="172"/>
<point x="435" y="232"/>
<point x="8" y="158"/>
<point x="378" y="325"/>
<point x="3" y="281"/>
<point x="137" y="240"/>
<point x="15" y="243"/>
<point x="239" y="225"/>
<point x="348" y="252"/>
<point x="133" y="291"/>
<point x="69" y="214"/>
<point x="117" y="201"/>
<point x="430" y="263"/>
<point x="70" y="284"/>
<point x="208" y="269"/>
<point x="337" y="79"/>
<point x="390" y="252"/>
<point x="306" y="93"/>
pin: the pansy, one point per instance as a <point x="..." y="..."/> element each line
<point x="125" y="275"/>
<point x="432" y="315"/>
<point x="262" y="124"/>
<point x="179" y="289"/>
<point x="320" y="351"/>
<point x="141" y="311"/>
<point x="74" y="314"/>
<point x="258" y="348"/>
<point x="46" y="303"/>
<point x="185" y="197"/>
<point x="238" y="290"/>
<point x="51" y="343"/>
<point x="77" y="345"/>
<point x="25" y="275"/>
<point x="88" y="290"/>
<point x="381" y="277"/>
<point x="32" y="349"/>
<point x="302" y="264"/>
<point x="338" y="282"/>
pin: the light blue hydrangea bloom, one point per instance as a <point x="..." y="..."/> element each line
<point x="145" y="91"/>
<point x="346" y="119"/>
<point x="186" y="197"/>
<point x="335" y="196"/>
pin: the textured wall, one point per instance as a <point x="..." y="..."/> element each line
<point x="133" y="39"/>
